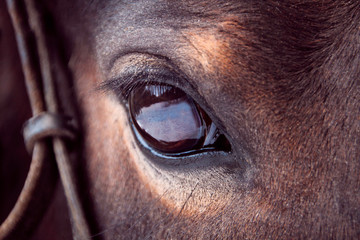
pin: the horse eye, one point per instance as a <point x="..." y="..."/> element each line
<point x="170" y="122"/>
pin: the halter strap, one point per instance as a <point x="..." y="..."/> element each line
<point x="47" y="122"/>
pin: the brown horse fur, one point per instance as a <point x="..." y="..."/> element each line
<point x="279" y="78"/>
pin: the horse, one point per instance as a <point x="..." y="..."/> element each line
<point x="203" y="119"/>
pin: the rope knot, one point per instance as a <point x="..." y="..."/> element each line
<point x="47" y="125"/>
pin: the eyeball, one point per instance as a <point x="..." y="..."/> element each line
<point x="169" y="120"/>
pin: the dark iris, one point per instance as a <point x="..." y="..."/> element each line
<point x="169" y="120"/>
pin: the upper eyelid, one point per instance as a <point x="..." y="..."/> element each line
<point x="138" y="69"/>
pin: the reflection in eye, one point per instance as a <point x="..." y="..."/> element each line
<point x="170" y="121"/>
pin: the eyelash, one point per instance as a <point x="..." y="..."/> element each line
<point x="122" y="86"/>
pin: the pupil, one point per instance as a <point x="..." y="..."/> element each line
<point x="167" y="118"/>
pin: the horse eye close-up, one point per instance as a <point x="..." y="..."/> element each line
<point x="171" y="122"/>
<point x="168" y="119"/>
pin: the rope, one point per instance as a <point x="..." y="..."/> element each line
<point x="43" y="124"/>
